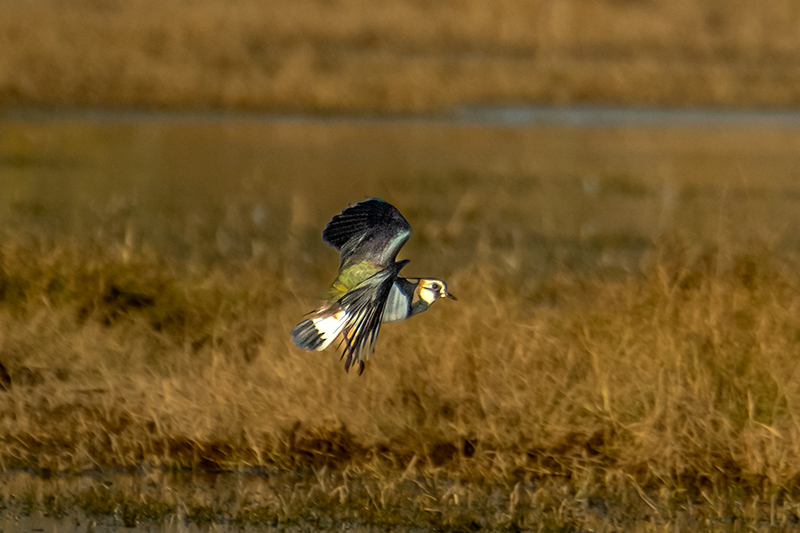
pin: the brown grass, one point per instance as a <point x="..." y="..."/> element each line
<point x="390" y="56"/>
<point x="652" y="393"/>
<point x="576" y="384"/>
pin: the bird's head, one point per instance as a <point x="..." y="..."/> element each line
<point x="431" y="289"/>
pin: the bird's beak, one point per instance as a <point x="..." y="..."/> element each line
<point x="448" y="295"/>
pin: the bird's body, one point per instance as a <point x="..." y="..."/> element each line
<point x="368" y="290"/>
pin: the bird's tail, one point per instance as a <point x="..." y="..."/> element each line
<point x="319" y="331"/>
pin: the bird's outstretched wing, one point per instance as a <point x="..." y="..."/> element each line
<point x="364" y="308"/>
<point x="372" y="230"/>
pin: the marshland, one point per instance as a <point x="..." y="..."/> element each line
<point x="624" y="351"/>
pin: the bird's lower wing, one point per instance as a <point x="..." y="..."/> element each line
<point x="364" y="308"/>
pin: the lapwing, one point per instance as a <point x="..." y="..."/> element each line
<point x="369" y="290"/>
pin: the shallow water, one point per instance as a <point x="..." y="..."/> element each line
<point x="80" y="523"/>
<point x="157" y="502"/>
<point x="177" y="503"/>
<point x="602" y="182"/>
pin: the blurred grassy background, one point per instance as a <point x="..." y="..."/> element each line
<point x="379" y="56"/>
<point x="625" y="343"/>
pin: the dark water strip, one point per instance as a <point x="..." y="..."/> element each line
<point x="501" y="116"/>
<point x="589" y="116"/>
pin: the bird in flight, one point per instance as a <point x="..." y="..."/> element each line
<point x="368" y="290"/>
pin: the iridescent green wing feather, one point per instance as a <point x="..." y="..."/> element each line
<point x="348" y="279"/>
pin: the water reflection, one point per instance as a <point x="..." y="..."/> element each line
<point x="217" y="187"/>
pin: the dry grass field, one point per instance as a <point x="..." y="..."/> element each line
<point x="664" y="398"/>
<point x="387" y="56"/>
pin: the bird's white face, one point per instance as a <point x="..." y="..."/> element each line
<point x="431" y="289"/>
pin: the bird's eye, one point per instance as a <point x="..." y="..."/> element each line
<point x="434" y="286"/>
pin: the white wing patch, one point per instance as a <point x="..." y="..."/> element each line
<point x="329" y="327"/>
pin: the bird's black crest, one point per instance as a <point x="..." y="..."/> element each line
<point x="362" y="218"/>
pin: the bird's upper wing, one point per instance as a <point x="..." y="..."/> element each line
<point x="372" y="230"/>
<point x="364" y="307"/>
